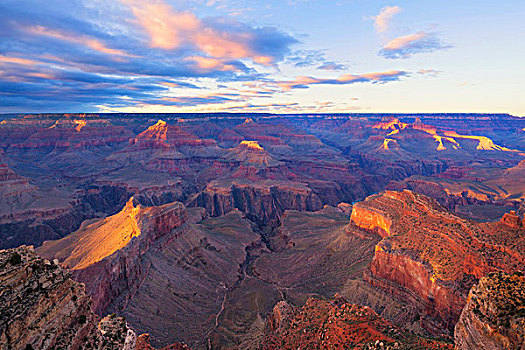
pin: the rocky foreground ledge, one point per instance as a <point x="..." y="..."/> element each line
<point x="43" y="308"/>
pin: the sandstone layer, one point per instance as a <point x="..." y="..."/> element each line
<point x="107" y="255"/>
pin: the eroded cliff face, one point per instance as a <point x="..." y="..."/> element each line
<point x="430" y="257"/>
<point x="45" y="216"/>
<point x="412" y="281"/>
<point x="107" y="255"/>
<point x="494" y="317"/>
<point x="371" y="219"/>
<point x="262" y="202"/>
<point x="43" y="308"/>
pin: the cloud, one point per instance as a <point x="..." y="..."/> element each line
<point x="313" y="58"/>
<point x="304" y="82"/>
<point x="383" y="19"/>
<point x="408" y="45"/>
<point x="332" y="66"/>
<point x="91" y="43"/>
<point x="306" y="58"/>
<point x="122" y="53"/>
<point x="430" y="72"/>
<point x="217" y="38"/>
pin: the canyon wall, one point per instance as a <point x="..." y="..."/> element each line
<point x="494" y="317"/>
<point x="112" y="275"/>
<point x="431" y="257"/>
<point x="262" y="203"/>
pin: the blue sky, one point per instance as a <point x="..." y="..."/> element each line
<point x="284" y="56"/>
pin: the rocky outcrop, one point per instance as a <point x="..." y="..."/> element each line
<point x="107" y="255"/>
<point x="143" y="343"/>
<point x="250" y="153"/>
<point x="465" y="193"/>
<point x="336" y="324"/>
<point x="431" y="257"/>
<point x="494" y="317"/>
<point x="371" y="219"/>
<point x="43" y="308"/>
<point x="167" y="148"/>
<point x="13" y="187"/>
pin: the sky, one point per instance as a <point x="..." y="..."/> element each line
<point x="277" y="56"/>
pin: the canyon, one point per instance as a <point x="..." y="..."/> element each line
<point x="233" y="231"/>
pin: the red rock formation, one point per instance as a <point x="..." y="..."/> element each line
<point x="250" y="153"/>
<point x="13" y="188"/>
<point x="107" y="255"/>
<point x="69" y="133"/>
<point x="371" y="219"/>
<point x="494" y="317"/>
<point x="432" y="257"/>
<point x="262" y="201"/>
<point x="336" y="324"/>
<point x="143" y="344"/>
<point x="164" y="135"/>
<point x="168" y="148"/>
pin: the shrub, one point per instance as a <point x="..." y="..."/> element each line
<point x="15" y="258"/>
<point x="82" y="319"/>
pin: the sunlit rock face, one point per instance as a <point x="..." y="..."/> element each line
<point x="494" y="317"/>
<point x="164" y="135"/>
<point x="167" y="148"/>
<point x="250" y="153"/>
<point x="107" y="255"/>
<point x="369" y="218"/>
<point x="444" y="139"/>
<point x="433" y="254"/>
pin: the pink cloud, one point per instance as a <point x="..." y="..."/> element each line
<point x="382" y="20"/>
<point x="404" y="41"/>
<point x="17" y="60"/>
<point x="376" y="77"/>
<point x="170" y="29"/>
<point x="209" y="64"/>
<point x="407" y="45"/>
<point x="93" y="44"/>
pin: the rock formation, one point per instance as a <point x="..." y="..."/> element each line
<point x="336" y="324"/>
<point x="494" y="317"/>
<point x="432" y="257"/>
<point x="263" y="201"/>
<point x="107" y="255"/>
<point x="43" y="308"/>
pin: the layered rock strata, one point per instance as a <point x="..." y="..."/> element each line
<point x="107" y="255"/>
<point x="432" y="257"/>
<point x="494" y="317"/>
